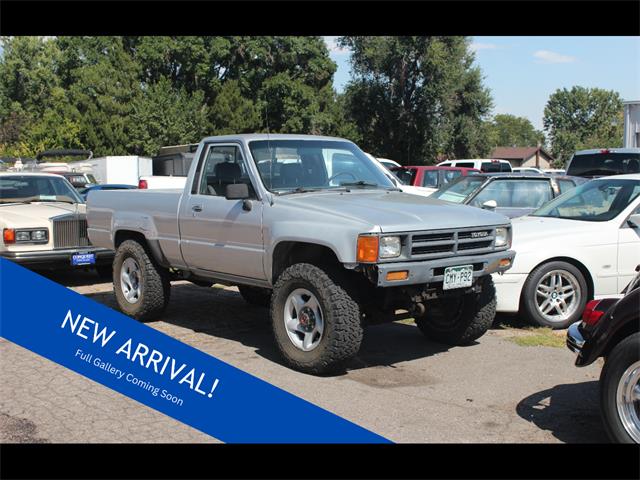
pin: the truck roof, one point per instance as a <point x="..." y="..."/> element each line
<point x="247" y="137"/>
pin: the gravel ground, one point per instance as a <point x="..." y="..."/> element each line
<point x="400" y="386"/>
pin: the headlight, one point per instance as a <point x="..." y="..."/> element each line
<point x="40" y="235"/>
<point x="390" y="247"/>
<point x="503" y="237"/>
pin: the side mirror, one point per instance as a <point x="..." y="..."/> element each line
<point x="490" y="205"/>
<point x="634" y="220"/>
<point x="236" y="191"/>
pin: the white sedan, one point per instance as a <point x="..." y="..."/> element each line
<point x="584" y="244"/>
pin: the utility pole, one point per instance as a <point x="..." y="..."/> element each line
<point x="538" y="156"/>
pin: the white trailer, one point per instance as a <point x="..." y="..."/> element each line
<point x="632" y="124"/>
<point x="125" y="169"/>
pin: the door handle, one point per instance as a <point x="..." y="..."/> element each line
<point x="196" y="208"/>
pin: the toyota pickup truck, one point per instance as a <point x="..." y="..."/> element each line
<point x="312" y="228"/>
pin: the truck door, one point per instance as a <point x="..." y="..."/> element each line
<point x="220" y="235"/>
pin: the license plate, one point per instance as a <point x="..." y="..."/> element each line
<point x="457" y="277"/>
<point x="83" y="259"/>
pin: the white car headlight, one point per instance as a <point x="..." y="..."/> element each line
<point x="390" y="247"/>
<point x="503" y="237"/>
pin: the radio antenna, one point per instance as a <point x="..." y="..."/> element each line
<point x="272" y="153"/>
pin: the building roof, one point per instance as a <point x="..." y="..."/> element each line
<point x="519" y="153"/>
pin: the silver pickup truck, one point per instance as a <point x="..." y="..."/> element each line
<point x="313" y="228"/>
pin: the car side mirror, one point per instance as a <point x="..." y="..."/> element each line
<point x="490" y="205"/>
<point x="236" y="191"/>
<point x="634" y="220"/>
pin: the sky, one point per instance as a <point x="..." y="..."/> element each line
<point x="522" y="72"/>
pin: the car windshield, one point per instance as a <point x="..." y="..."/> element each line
<point x="303" y="165"/>
<point x="606" y="163"/>
<point x="35" y="188"/>
<point x="459" y="190"/>
<point x="595" y="201"/>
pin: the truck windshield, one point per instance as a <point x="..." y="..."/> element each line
<point x="594" y="201"/>
<point x="36" y="188"/>
<point x="302" y="165"/>
<point x="458" y="191"/>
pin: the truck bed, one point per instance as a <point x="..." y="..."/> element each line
<point x="153" y="213"/>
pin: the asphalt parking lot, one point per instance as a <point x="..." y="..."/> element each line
<point x="401" y="385"/>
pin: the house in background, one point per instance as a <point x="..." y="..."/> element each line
<point x="524" y="156"/>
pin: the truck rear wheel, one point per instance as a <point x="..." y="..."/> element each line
<point x="316" y="324"/>
<point x="461" y="320"/>
<point x="141" y="286"/>
<point x="260" y="297"/>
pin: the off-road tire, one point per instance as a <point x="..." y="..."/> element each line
<point x="528" y="299"/>
<point x="623" y="355"/>
<point x="460" y="320"/>
<point x="155" y="285"/>
<point x="260" y="297"/>
<point x="343" y="331"/>
<point x="105" y="271"/>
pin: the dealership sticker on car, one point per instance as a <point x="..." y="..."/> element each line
<point x="457" y="277"/>
<point x="83" y="259"/>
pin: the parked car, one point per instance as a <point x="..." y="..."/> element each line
<point x="527" y="170"/>
<point x="431" y="178"/>
<point x="396" y="180"/>
<point x="104" y="186"/>
<point x="388" y="163"/>
<point x="606" y="161"/>
<point x="79" y="181"/>
<point x="43" y="222"/>
<point x="511" y="194"/>
<point x="581" y="245"/>
<point x="315" y="229"/>
<point x="610" y="329"/>
<point x="482" y="164"/>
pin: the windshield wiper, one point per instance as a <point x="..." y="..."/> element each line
<point x="359" y="183"/>
<point x="299" y="190"/>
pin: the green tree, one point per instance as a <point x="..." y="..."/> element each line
<point x="417" y="99"/>
<point x="582" y="118"/>
<point x="507" y="130"/>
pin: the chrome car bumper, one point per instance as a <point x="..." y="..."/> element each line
<point x="575" y="341"/>
<point x="58" y="257"/>
<point x="431" y="271"/>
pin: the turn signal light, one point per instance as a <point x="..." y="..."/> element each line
<point x="143" y="184"/>
<point x="505" y="262"/>
<point x="395" y="276"/>
<point x="591" y="314"/>
<point x="9" y="235"/>
<point x="367" y="249"/>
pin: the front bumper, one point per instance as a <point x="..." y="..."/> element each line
<point x="432" y="271"/>
<point x="57" y="258"/>
<point x="575" y="340"/>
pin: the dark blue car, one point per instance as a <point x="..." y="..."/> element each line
<point x="105" y="186"/>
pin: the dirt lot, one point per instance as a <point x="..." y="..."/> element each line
<point x="401" y="386"/>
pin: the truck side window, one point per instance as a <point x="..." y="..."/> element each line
<point x="223" y="166"/>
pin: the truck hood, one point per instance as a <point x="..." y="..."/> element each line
<point x="392" y="211"/>
<point x="31" y="215"/>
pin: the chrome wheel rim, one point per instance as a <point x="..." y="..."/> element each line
<point x="130" y="280"/>
<point x="303" y="319"/>
<point x="628" y="401"/>
<point x="557" y="296"/>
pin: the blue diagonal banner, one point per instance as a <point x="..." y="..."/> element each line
<point x="157" y="370"/>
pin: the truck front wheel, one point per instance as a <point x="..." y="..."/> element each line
<point x="141" y="286"/>
<point x="315" y="322"/>
<point x="460" y="320"/>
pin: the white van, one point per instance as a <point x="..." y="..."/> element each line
<point x="483" y="164"/>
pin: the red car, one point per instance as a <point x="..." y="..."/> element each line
<point x="431" y="176"/>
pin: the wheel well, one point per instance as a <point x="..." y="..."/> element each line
<point x="625" y="331"/>
<point x="122" y="235"/>
<point x="288" y="253"/>
<point x="580" y="266"/>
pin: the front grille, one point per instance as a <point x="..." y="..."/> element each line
<point x="451" y="242"/>
<point x="70" y="232"/>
